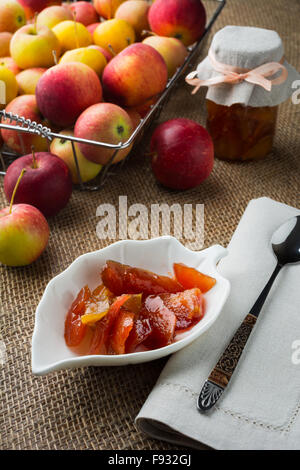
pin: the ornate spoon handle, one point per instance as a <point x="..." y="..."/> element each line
<point x="221" y="374"/>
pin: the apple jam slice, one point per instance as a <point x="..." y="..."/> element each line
<point x="140" y="332"/>
<point x="187" y="306"/>
<point x="162" y="321"/>
<point x="103" y="328"/>
<point x="190" y="277"/>
<point x="121" y="330"/>
<point x="74" y="328"/>
<point x="120" y="278"/>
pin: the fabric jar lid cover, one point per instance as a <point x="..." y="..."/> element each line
<point x="246" y="48"/>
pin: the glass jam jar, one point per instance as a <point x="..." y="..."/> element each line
<point x="241" y="132"/>
<point x="247" y="78"/>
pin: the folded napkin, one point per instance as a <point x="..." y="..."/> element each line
<point x="260" y="408"/>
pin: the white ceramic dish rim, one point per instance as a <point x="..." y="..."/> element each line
<point x="212" y="254"/>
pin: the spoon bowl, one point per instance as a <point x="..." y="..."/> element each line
<point x="286" y="242"/>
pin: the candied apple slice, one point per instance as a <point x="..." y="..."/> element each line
<point x="98" y="305"/>
<point x="74" y="329"/>
<point x="162" y="321"/>
<point x="103" y="328"/>
<point x="121" y="329"/>
<point x="187" y="306"/>
<point x="140" y="332"/>
<point x="120" y="278"/>
<point x="190" y="278"/>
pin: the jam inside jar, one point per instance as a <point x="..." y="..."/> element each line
<point x="241" y="132"/>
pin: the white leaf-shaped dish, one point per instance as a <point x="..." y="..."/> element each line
<point x="49" y="351"/>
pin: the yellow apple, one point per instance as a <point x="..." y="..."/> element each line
<point x="53" y="15"/>
<point x="33" y="46"/>
<point x="72" y="35"/>
<point x="114" y="35"/>
<point x="172" y="51"/>
<point x="135" y="12"/>
<point x="63" y="149"/>
<point x="27" y="80"/>
<point x="86" y="55"/>
<point x="107" y="8"/>
<point x="8" y="86"/>
<point x="10" y="64"/>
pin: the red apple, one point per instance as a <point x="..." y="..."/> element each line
<point x="134" y="76"/>
<point x="181" y="19"/>
<point x="85" y="12"/>
<point x="46" y="185"/>
<point x="65" y="90"/>
<point x="183" y="153"/>
<point x="134" y="116"/>
<point x="103" y="122"/>
<point x="33" y="6"/>
<point x="24" y="232"/>
<point x="26" y="107"/>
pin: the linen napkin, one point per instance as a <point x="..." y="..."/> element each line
<point x="260" y="408"/>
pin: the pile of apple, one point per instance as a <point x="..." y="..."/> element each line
<point x="92" y="70"/>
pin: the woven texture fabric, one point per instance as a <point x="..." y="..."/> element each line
<point x="94" y="408"/>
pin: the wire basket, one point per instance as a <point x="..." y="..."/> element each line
<point x="21" y="125"/>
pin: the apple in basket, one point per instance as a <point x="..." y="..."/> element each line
<point x="26" y="107"/>
<point x="107" y="8"/>
<point x="12" y="16"/>
<point x="171" y="49"/>
<point x="46" y="184"/>
<point x="108" y="55"/>
<point x="84" y="12"/>
<point x="24" y="232"/>
<point x="134" y="76"/>
<point x="33" y="46"/>
<point x="33" y="6"/>
<point x="182" y="154"/>
<point x="63" y="149"/>
<point x="5" y="38"/>
<point x="27" y="80"/>
<point x="135" y="12"/>
<point x="181" y="19"/>
<point x="53" y="15"/>
<point x="103" y="122"/>
<point x="65" y="90"/>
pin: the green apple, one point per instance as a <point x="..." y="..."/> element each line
<point x="62" y="148"/>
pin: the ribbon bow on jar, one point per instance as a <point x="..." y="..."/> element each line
<point x="233" y="75"/>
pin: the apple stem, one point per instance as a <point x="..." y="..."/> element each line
<point x="111" y="50"/>
<point x="146" y="32"/>
<point x="75" y="29"/>
<point x="15" y="189"/>
<point x="35" y="22"/>
<point x="33" y="158"/>
<point x="150" y="154"/>
<point x="54" y="57"/>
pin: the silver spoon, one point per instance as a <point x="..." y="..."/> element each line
<point x="286" y="247"/>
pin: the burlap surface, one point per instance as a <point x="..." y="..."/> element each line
<point x="94" y="408"/>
